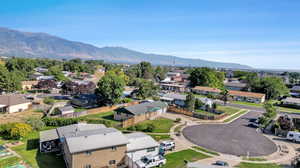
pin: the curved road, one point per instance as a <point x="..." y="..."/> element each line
<point x="235" y="138"/>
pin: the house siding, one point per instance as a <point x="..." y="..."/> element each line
<point x="18" y="107"/>
<point x="99" y="158"/>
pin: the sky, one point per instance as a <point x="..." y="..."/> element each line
<point x="259" y="33"/>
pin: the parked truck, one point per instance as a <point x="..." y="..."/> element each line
<point x="151" y="161"/>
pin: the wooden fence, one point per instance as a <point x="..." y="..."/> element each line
<point x="139" y="118"/>
<point x="175" y="109"/>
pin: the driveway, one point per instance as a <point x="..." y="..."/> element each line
<point x="235" y="138"/>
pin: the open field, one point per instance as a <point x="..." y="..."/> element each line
<point x="162" y="125"/>
<point x="20" y="116"/>
<point x="176" y="159"/>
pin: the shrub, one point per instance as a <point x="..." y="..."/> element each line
<point x="35" y="123"/>
<point x="20" y="130"/>
<point x="178" y="120"/>
<point x="150" y="128"/>
<point x="127" y="100"/>
<point x="58" y="122"/>
<point x="49" y="100"/>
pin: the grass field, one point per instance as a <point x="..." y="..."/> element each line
<point x="228" y="110"/>
<point x="205" y="150"/>
<point x="162" y="125"/>
<point x="31" y="155"/>
<point x="235" y="116"/>
<point x="11" y="161"/>
<point x="254" y="159"/>
<point x="176" y="159"/>
<point x="108" y="116"/>
<point x="159" y="137"/>
<point x="178" y="128"/>
<point x="257" y="165"/>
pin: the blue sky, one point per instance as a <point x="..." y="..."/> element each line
<point x="259" y="33"/>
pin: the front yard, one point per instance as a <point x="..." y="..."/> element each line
<point x="161" y="125"/>
<point x="257" y="165"/>
<point x="176" y="159"/>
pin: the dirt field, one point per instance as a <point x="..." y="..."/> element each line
<point x="18" y="117"/>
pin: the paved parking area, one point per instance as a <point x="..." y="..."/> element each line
<point x="235" y="138"/>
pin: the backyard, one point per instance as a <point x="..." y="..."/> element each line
<point x="161" y="125"/>
<point x="176" y="159"/>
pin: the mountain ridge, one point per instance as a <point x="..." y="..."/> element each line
<point x="44" y="45"/>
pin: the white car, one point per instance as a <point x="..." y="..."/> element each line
<point x="151" y="161"/>
<point x="167" y="145"/>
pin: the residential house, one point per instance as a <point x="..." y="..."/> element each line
<point x="290" y="101"/>
<point x="50" y="77"/>
<point x="13" y="103"/>
<point x="179" y="99"/>
<point x="140" y="145"/>
<point x="28" y="85"/>
<point x="85" y="101"/>
<point x="86" y="145"/>
<point x="247" y="96"/>
<point x="94" y="145"/>
<point x="206" y="90"/>
<point x="41" y="70"/>
<point x="235" y="95"/>
<point x="295" y="91"/>
<point x="141" y="112"/>
<point x="235" y="86"/>
<point x="66" y="111"/>
<point x="173" y="87"/>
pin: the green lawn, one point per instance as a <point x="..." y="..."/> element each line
<point x="254" y="159"/>
<point x="257" y="165"/>
<point x="108" y="116"/>
<point x="235" y="116"/>
<point x="176" y="159"/>
<point x="162" y="125"/>
<point x="205" y="150"/>
<point x="31" y="155"/>
<point x="178" y="128"/>
<point x="228" y="110"/>
<point x="11" y="161"/>
<point x="205" y="112"/>
<point x="247" y="103"/>
<point x="159" y="137"/>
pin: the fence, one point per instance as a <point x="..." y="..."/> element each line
<point x="109" y="108"/>
<point x="139" y="118"/>
<point x="175" y="109"/>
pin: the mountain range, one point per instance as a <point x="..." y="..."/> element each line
<point x="42" y="45"/>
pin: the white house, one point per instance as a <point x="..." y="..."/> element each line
<point x="13" y="103"/>
<point x="140" y="145"/>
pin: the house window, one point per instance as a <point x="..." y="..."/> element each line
<point x="88" y="153"/>
<point x="87" y="166"/>
<point x="113" y="148"/>
<point x="150" y="149"/>
<point x="112" y="162"/>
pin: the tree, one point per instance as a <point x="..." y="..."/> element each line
<point x="198" y="104"/>
<point x="111" y="87"/>
<point x="294" y="78"/>
<point x="56" y="71"/>
<point x="273" y="87"/>
<point x="20" y="130"/>
<point x="206" y="77"/>
<point x="9" y="81"/>
<point x="190" y="102"/>
<point x="160" y="73"/>
<point x="35" y="123"/>
<point x="142" y="70"/>
<point x="224" y="96"/>
<point x="146" y="89"/>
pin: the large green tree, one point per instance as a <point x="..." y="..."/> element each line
<point x="190" y="102"/>
<point x="56" y="71"/>
<point x="111" y="87"/>
<point x="273" y="87"/>
<point x="206" y="77"/>
<point x="9" y="81"/>
<point x="146" y="88"/>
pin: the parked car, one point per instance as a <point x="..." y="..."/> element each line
<point x="293" y="136"/>
<point x="167" y="145"/>
<point x="253" y="125"/>
<point x="151" y="161"/>
<point x="221" y="163"/>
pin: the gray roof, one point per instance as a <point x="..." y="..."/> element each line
<point x="174" y="96"/>
<point x="66" y="108"/>
<point x="140" y="141"/>
<point x="144" y="107"/>
<point x="103" y="138"/>
<point x="48" y="135"/>
<point x="72" y="129"/>
<point x="10" y="100"/>
<point x="235" y="84"/>
<point x="291" y="100"/>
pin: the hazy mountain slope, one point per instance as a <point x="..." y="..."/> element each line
<point x="25" y="44"/>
